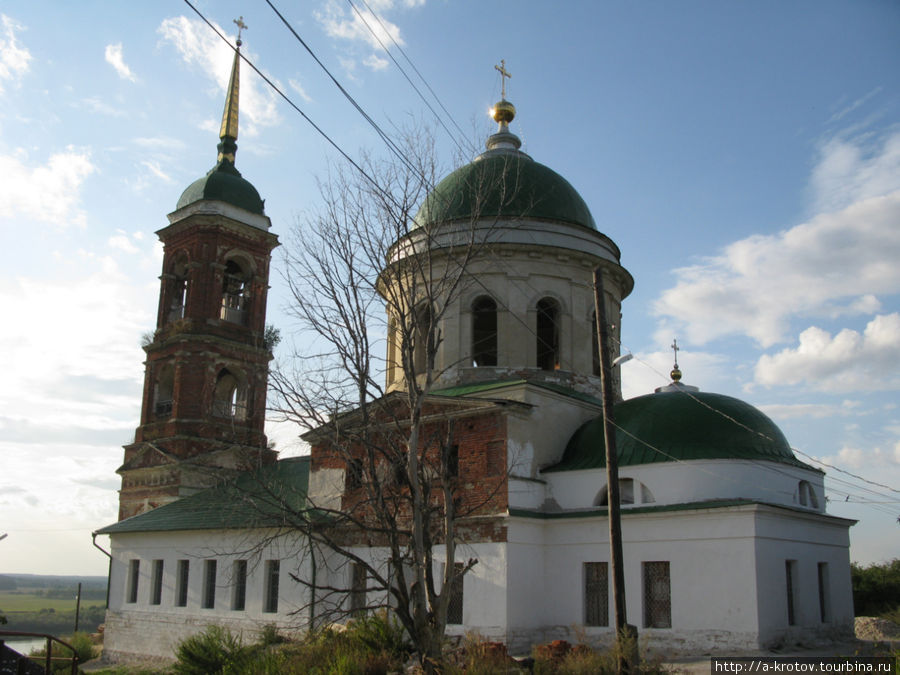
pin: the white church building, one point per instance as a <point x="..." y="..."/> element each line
<point x="727" y="543"/>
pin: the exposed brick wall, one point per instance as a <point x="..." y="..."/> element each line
<point x="196" y="345"/>
<point x="479" y="489"/>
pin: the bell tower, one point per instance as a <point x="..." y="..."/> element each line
<point x="203" y="408"/>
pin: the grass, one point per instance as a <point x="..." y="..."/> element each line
<point x="17" y="601"/>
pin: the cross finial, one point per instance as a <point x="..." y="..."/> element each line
<point x="239" y="22"/>
<point x="504" y="74"/>
<point x="675" y="348"/>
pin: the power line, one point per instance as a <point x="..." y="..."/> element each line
<point x="421" y="77"/>
<point x="297" y="108"/>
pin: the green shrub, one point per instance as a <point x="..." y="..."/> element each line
<point x="270" y="636"/>
<point x="378" y="632"/>
<point x="82" y="644"/>
<point x="216" y="650"/>
<point x="876" y="588"/>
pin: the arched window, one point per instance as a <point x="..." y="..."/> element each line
<point x="178" y="286"/>
<point x="806" y="495"/>
<point x="626" y="493"/>
<point x="596" y="366"/>
<point x="235" y="290"/>
<point x="230" y="396"/>
<point x="547" y="334"/>
<point x="423" y="328"/>
<point x="163" y="391"/>
<point x="484" y="332"/>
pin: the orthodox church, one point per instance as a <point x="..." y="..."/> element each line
<point x="727" y="543"/>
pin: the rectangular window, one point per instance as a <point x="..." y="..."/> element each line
<point x="824" y="595"/>
<point x="273" y="570"/>
<point x="453" y="461"/>
<point x="353" y="478"/>
<point x="181" y="583"/>
<point x="596" y="594"/>
<point x="134" y="573"/>
<point x="455" y="606"/>
<point x="209" y="584"/>
<point x="790" y="577"/>
<point x="657" y="595"/>
<point x="239" y="587"/>
<point x="358" y="579"/>
<point x="156" y="583"/>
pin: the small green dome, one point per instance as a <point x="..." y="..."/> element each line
<point x="225" y="184"/>
<point x="509" y="184"/>
<point x="678" y="426"/>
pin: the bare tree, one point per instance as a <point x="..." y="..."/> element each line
<point x="371" y="287"/>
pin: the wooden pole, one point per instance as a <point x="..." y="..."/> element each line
<point x="77" y="606"/>
<point x="623" y="630"/>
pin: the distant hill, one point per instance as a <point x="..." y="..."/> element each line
<point x="11" y="582"/>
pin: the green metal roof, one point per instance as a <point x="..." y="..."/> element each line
<point x="223" y="183"/>
<point x="679" y="426"/>
<point x="505" y="184"/>
<point x="263" y="498"/>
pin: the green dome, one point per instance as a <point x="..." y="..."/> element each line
<point x="225" y="184"/>
<point x="505" y="184"/>
<point x="680" y="426"/>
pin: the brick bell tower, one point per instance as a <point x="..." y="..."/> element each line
<point x="203" y="410"/>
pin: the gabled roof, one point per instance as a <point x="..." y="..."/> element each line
<point x="262" y="498"/>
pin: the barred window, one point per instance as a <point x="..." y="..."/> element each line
<point x="358" y="578"/>
<point x="790" y="576"/>
<point x="156" y="583"/>
<point x="273" y="571"/>
<point x="209" y="584"/>
<point x="657" y="595"/>
<point x="181" y="583"/>
<point x="455" y="606"/>
<point x="596" y="594"/>
<point x="134" y="572"/>
<point x="239" y="587"/>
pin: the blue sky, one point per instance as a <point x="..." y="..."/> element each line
<point x="745" y="156"/>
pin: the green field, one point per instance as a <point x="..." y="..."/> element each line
<point x="21" y="601"/>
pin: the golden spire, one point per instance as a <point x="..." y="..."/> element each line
<point x="229" y="132"/>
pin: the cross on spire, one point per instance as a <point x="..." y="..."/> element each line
<point x="504" y="74"/>
<point x="239" y="22"/>
<point x="676" y="349"/>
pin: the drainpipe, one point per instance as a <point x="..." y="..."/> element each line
<point x="109" y="568"/>
<point x="312" y="589"/>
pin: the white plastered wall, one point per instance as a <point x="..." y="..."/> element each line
<point x="155" y="630"/>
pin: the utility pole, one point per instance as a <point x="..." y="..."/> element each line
<point x="624" y="632"/>
<point x="77" y="606"/>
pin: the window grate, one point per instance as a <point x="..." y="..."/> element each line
<point x="657" y="595"/>
<point x="596" y="594"/>
<point x="455" y="604"/>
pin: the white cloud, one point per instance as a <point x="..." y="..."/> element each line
<point x="836" y="264"/>
<point x="859" y="458"/>
<point x="650" y="370"/>
<point x="296" y="86"/>
<point x="375" y="62"/>
<point x="48" y="193"/>
<point x="853" y="169"/>
<point x="809" y="410"/>
<point x="848" y="361"/>
<point x="13" y="57"/>
<point x="102" y="106"/>
<point x="156" y="170"/>
<point x="201" y="47"/>
<point x="362" y="26"/>
<point x="114" y="58"/>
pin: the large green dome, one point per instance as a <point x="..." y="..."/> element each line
<point x="678" y="426"/>
<point x="505" y="184"/>
<point x="223" y="183"/>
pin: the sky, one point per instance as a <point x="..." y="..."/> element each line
<point x="745" y="157"/>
